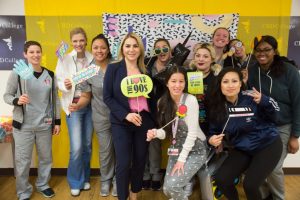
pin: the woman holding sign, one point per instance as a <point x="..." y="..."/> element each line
<point x="124" y="91"/>
<point x="36" y="116"/>
<point x="203" y="62"/>
<point x="178" y="114"/>
<point x="92" y="91"/>
<point x="246" y="121"/>
<point x="79" y="122"/>
<point x="203" y="66"/>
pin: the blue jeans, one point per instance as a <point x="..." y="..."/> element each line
<point x="80" y="132"/>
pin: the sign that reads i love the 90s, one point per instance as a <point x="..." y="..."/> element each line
<point x="136" y="85"/>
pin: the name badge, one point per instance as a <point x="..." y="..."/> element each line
<point x="173" y="152"/>
<point x="48" y="121"/>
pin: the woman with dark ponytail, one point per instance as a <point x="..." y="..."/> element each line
<point x="178" y="113"/>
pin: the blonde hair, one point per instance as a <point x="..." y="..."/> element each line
<point x="214" y="67"/>
<point x="78" y="30"/>
<point x="140" y="61"/>
<point x="206" y="46"/>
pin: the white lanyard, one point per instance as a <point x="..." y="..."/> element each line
<point x="174" y="129"/>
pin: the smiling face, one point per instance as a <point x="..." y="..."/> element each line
<point x="203" y="59"/>
<point x="264" y="54"/>
<point x="100" y="50"/>
<point x="239" y="49"/>
<point x="163" y="57"/>
<point x="131" y="50"/>
<point x="220" y="38"/>
<point x="176" y="84"/>
<point x="231" y="85"/>
<point x="33" y="55"/>
<point x="79" y="42"/>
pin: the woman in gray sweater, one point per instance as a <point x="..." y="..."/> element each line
<point x="36" y="116"/>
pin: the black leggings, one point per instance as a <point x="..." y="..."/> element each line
<point x="256" y="167"/>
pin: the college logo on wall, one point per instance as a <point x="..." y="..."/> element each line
<point x="12" y="38"/>
<point x="174" y="27"/>
<point x="294" y="40"/>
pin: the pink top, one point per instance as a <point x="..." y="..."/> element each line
<point x="138" y="104"/>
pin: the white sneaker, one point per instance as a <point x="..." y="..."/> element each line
<point x="75" y="192"/>
<point x="104" y="191"/>
<point x="114" y="191"/>
<point x="86" y="186"/>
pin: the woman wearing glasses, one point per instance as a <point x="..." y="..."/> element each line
<point x="277" y="78"/>
<point x="240" y="59"/>
<point x="156" y="64"/>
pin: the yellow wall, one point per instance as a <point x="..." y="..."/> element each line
<point x="49" y="22"/>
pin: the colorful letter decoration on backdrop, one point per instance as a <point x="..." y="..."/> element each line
<point x="174" y="27"/>
<point x="195" y="82"/>
<point x="23" y="70"/>
<point x="136" y="85"/>
<point x="85" y="74"/>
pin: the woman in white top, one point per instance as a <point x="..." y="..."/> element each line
<point x="179" y="113"/>
<point x="80" y="122"/>
<point x="92" y="92"/>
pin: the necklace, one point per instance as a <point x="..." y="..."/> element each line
<point x="236" y="101"/>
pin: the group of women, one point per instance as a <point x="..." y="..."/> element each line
<point x="129" y="129"/>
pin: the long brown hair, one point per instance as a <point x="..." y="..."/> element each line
<point x="167" y="107"/>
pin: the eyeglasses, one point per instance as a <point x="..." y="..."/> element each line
<point x="237" y="45"/>
<point x="158" y="51"/>
<point x="263" y="50"/>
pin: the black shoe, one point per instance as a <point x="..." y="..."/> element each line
<point x="26" y="199"/>
<point x="155" y="185"/>
<point x="146" y="184"/>
<point x="47" y="193"/>
<point x="270" y="197"/>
